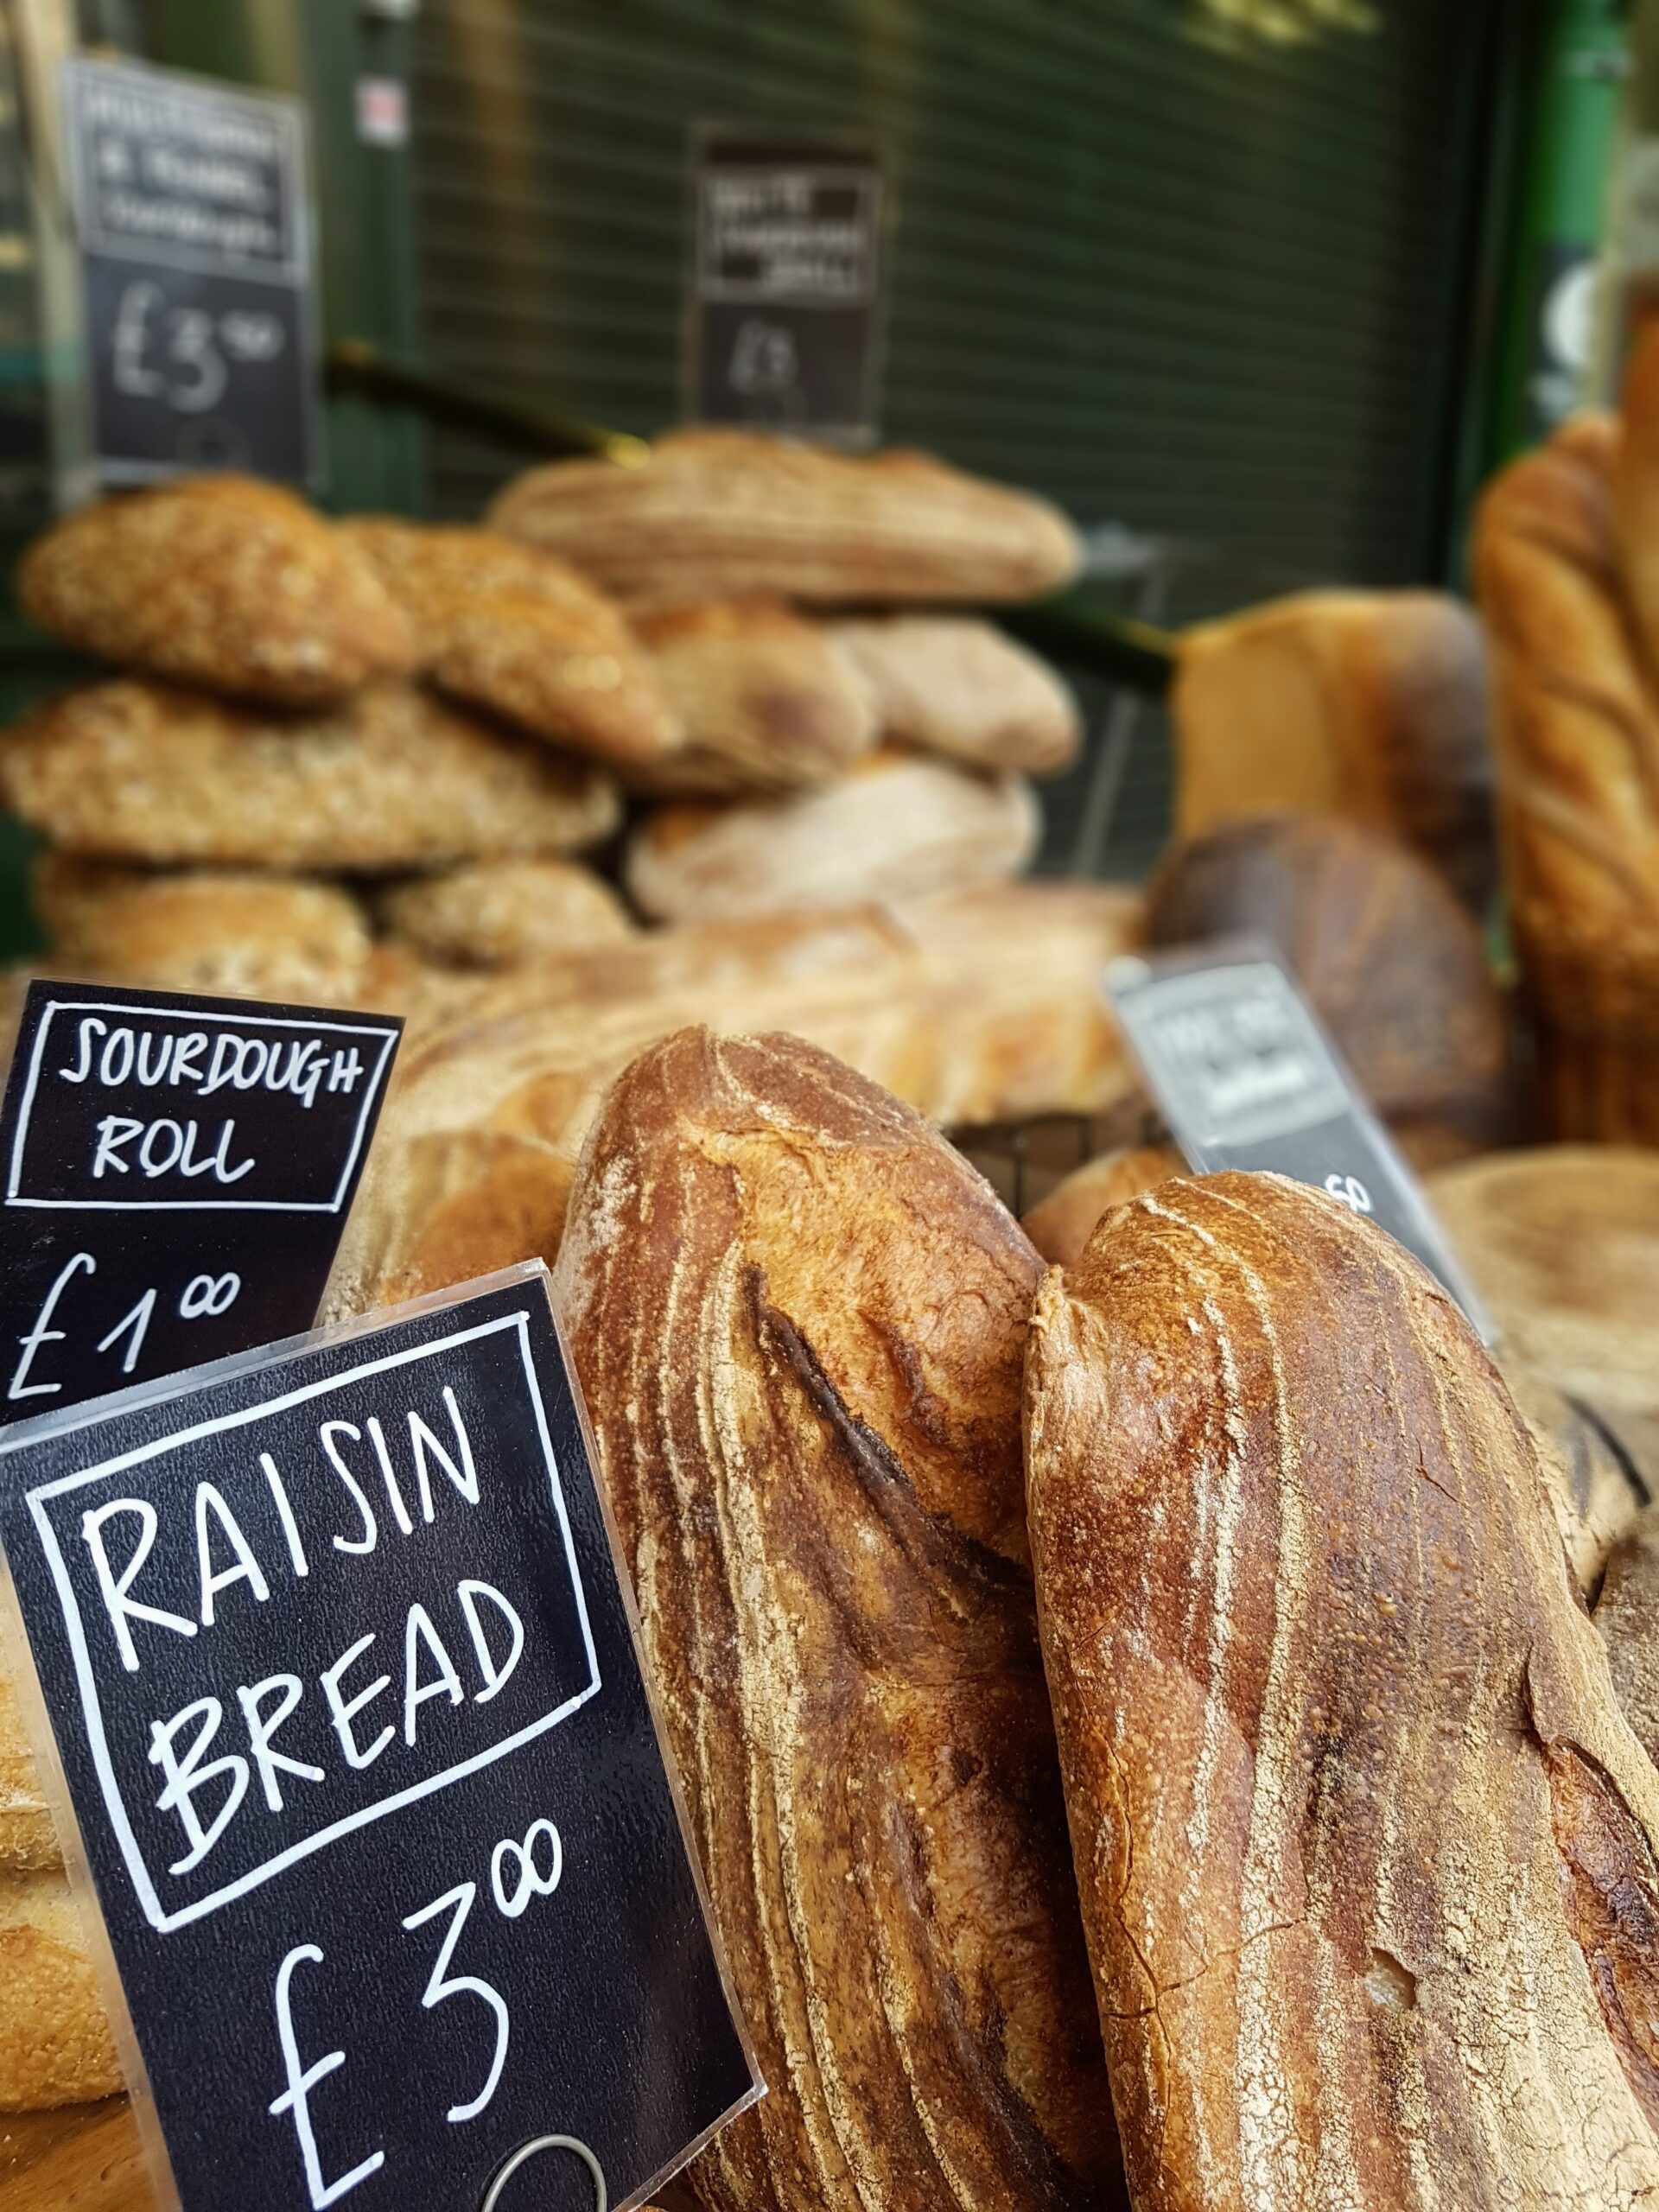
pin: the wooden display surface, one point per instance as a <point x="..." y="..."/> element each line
<point x="81" y="2158"/>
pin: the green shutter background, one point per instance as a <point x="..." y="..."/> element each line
<point x="1212" y="286"/>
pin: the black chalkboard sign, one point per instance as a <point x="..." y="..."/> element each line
<point x="194" y="229"/>
<point x="177" y="1174"/>
<point x="342" y="1681"/>
<point x="786" y="322"/>
<point x="1247" y="1079"/>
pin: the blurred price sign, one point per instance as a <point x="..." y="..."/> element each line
<point x="195" y="259"/>
<point x="786" y="306"/>
<point x="1248" y="1079"/>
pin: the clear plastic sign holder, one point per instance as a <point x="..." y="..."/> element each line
<point x="555" y="1968"/>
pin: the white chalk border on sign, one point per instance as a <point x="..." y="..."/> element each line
<point x="16" y="1657"/>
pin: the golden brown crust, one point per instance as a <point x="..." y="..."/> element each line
<point x="714" y="513"/>
<point x="765" y="701"/>
<point x="1394" y="965"/>
<point x="1062" y="1223"/>
<point x="219" y="581"/>
<point x="948" y="684"/>
<point x="1367" y="1850"/>
<point x="510" y="629"/>
<point x="797" y="1316"/>
<point x="28" y="1843"/>
<point x="504" y="913"/>
<point x="391" y="779"/>
<point x="233" y="935"/>
<point x="1627" y="1614"/>
<point x="898" y="827"/>
<point x="56" y="2045"/>
<point x="1369" y="704"/>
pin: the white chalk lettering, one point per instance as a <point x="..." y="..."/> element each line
<point x="418" y="1630"/>
<point x="183" y="1778"/>
<point x="344" y="1070"/>
<point x="117" y="1605"/>
<point x="44" y="1333"/>
<point x="115" y="1063"/>
<point x="113" y="1131"/>
<point x="495" y="1676"/>
<point x="135" y="1325"/>
<point x="247" y="1569"/>
<point x="89" y="1028"/>
<point x="422" y="1440"/>
<point x="326" y="1435"/>
<point x="378" y="1438"/>
<point x="285" y="1515"/>
<point x="460" y="1900"/>
<point x="262" y="1726"/>
<point x="344" y="1713"/>
<point x="302" y="2080"/>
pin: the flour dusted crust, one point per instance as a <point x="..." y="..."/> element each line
<point x="1367" y="1849"/>
<point x="56" y="2045"/>
<point x="797" y="1315"/>
<point x="223" y="581"/>
<point x="226" y="933"/>
<point x="949" y="685"/>
<point x="510" y="629"/>
<point x="897" y="826"/>
<point x="503" y="913"/>
<point x="711" y="513"/>
<point x="393" y="779"/>
<point x="767" y="701"/>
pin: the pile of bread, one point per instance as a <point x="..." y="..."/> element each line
<point x="325" y="733"/>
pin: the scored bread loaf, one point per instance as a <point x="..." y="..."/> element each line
<point x="223" y="581"/>
<point x="503" y="913"/>
<point x="714" y="514"/>
<point x="798" y="1314"/>
<point x="949" y="685"/>
<point x="896" y="827"/>
<point x="393" y="779"/>
<point x="1367" y="1849"/>
<point x="1370" y="704"/>
<point x="512" y="630"/>
<point x="233" y="935"/>
<point x="1394" y="965"/>
<point x="765" y="701"/>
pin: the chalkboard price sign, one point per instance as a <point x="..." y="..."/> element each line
<point x="194" y="237"/>
<point x="146" y="1142"/>
<point x="787" y="326"/>
<point x="342" y="1684"/>
<point x="1247" y="1079"/>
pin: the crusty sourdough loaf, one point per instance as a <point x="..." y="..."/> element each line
<point x="504" y="913"/>
<point x="1062" y="1223"/>
<point x="947" y="684"/>
<point x="393" y="779"/>
<point x="716" y="512"/>
<point x="512" y="630"/>
<point x="231" y="934"/>
<point x="1627" y="1614"/>
<point x="223" y="581"/>
<point x="1366" y="1847"/>
<point x="1370" y="704"/>
<point x="1577" y="729"/>
<point x="797" y="1316"/>
<point x="765" y="701"/>
<point x="897" y="826"/>
<point x="1394" y="965"/>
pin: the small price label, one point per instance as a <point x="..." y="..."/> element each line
<point x="1247" y="1079"/>
<point x="335" y="1657"/>
<point x="194" y="238"/>
<point x="145" y="1141"/>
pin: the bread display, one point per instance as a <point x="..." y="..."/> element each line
<point x="1369" y="704"/>
<point x="897" y="826"/>
<point x="504" y="913"/>
<point x="714" y="514"/>
<point x="1578" y="735"/>
<point x="1391" y="962"/>
<point x="56" y="2045"/>
<point x="974" y="1008"/>
<point x="946" y="684"/>
<point x="222" y="582"/>
<point x="512" y="630"/>
<point x="233" y="935"/>
<point x="818" y="1492"/>
<point x="1364" y="1843"/>
<point x="1062" y="1223"/>
<point x="765" y="701"/>
<point x="138" y="771"/>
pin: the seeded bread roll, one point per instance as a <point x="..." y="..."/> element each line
<point x="964" y="688"/>
<point x="392" y="779"/>
<point x="712" y="514"/>
<point x="223" y="581"/>
<point x="1367" y="1848"/>
<point x="797" y="1315"/>
<point x="897" y="826"/>
<point x="506" y="913"/>
<point x="236" y="935"/>
<point x="514" y="631"/>
<point x="767" y="701"/>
